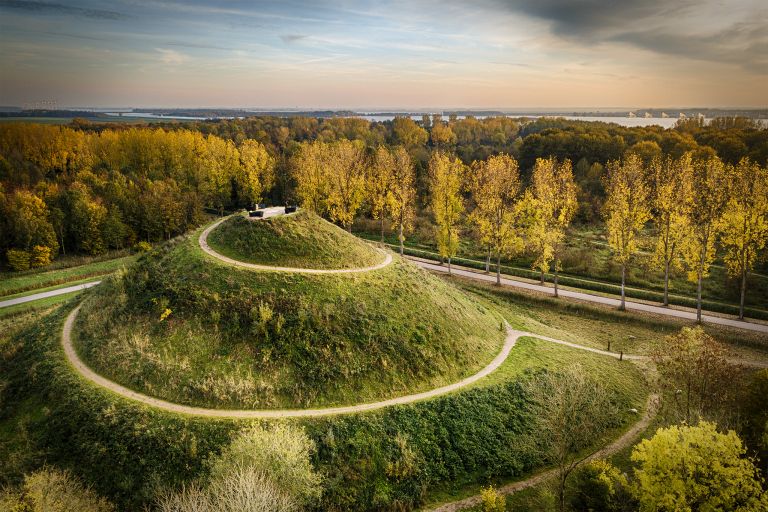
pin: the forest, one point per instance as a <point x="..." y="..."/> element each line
<point x="89" y="188"/>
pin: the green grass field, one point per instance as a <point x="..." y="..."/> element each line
<point x="299" y="240"/>
<point x="14" y="283"/>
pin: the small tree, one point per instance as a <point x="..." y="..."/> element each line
<point x="571" y="411"/>
<point x="554" y="194"/>
<point x="694" y="367"/>
<point x="626" y="210"/>
<point x="402" y="198"/>
<point x="492" y="500"/>
<point x="710" y="185"/>
<point x="445" y="177"/>
<point x="671" y="182"/>
<point x="744" y="222"/>
<point x="52" y="490"/>
<point x="696" y="468"/>
<point x="495" y="185"/>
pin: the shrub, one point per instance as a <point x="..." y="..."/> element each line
<point x="40" y="257"/>
<point x="492" y="500"/>
<point x="51" y="490"/>
<point x="18" y="259"/>
<point x="282" y="452"/>
<point x="600" y="487"/>
<point x="696" y="468"/>
<point x="142" y="247"/>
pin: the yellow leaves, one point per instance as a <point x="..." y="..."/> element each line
<point x="627" y="206"/>
<point x="165" y="314"/>
<point x="445" y="175"/>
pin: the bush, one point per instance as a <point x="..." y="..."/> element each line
<point x="41" y="256"/>
<point x="492" y="500"/>
<point x="282" y="453"/>
<point x="51" y="490"/>
<point x="600" y="487"/>
<point x="18" y="259"/>
<point x="696" y="468"/>
<point x="142" y="247"/>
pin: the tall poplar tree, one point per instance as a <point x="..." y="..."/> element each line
<point x="495" y="187"/>
<point x="627" y="210"/>
<point x="710" y="194"/>
<point x="346" y="168"/>
<point x="445" y="179"/>
<point x="402" y="197"/>
<point x="380" y="182"/>
<point x="744" y="222"/>
<point x="671" y="186"/>
<point x="555" y="203"/>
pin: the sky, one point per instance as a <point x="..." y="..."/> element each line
<point x="383" y="54"/>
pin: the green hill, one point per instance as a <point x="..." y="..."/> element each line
<point x="299" y="240"/>
<point x="183" y="326"/>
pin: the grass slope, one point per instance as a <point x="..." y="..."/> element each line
<point x="184" y="327"/>
<point x="299" y="240"/>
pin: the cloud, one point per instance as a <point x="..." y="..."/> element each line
<point x="172" y="57"/>
<point x="292" y="38"/>
<point x="34" y="7"/>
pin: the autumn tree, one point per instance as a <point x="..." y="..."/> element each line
<point x="445" y="176"/>
<point x="495" y="186"/>
<point x="554" y="194"/>
<point x="571" y="411"/>
<point x="671" y="189"/>
<point x="407" y="133"/>
<point x="442" y="136"/>
<point x="380" y="182"/>
<point x="308" y="168"/>
<point x="346" y="167"/>
<point x="256" y="171"/>
<point x="626" y="210"/>
<point x="28" y="222"/>
<point x="694" y="368"/>
<point x="696" y="468"/>
<point x="710" y="185"/>
<point x="402" y="197"/>
<point x="743" y="226"/>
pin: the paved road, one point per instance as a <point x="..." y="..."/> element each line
<point x="619" y="444"/>
<point x="203" y="240"/>
<point x="85" y="371"/>
<point x="632" y="306"/>
<point x="45" y="295"/>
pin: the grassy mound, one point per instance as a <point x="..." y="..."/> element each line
<point x="185" y="327"/>
<point x="299" y="240"/>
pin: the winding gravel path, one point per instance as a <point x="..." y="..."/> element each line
<point x="203" y="240"/>
<point x="85" y="371"/>
<point x="45" y="295"/>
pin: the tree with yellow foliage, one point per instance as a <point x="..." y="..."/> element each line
<point x="445" y="180"/>
<point x="345" y="165"/>
<point x="380" y="182"/>
<point x="671" y="190"/>
<point x="626" y="210"/>
<point x="555" y="204"/>
<point x="743" y="225"/>
<point x="710" y="186"/>
<point x="402" y="196"/>
<point x="256" y="172"/>
<point x="495" y="186"/>
<point x="442" y="135"/>
<point x="308" y="168"/>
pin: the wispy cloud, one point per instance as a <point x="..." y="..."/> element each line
<point x="60" y="9"/>
<point x="172" y="57"/>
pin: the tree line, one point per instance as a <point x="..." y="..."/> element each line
<point x="693" y="203"/>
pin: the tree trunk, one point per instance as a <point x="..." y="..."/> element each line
<point x="743" y="293"/>
<point x="698" y="294"/>
<point x="382" y="229"/>
<point x="400" y="237"/>
<point x="623" y="306"/>
<point x="541" y="277"/>
<point x="349" y="228"/>
<point x="666" y="284"/>
<point x="488" y="261"/>
<point x="561" y="494"/>
<point x="449" y="265"/>
<point x="498" y="269"/>
<point x="556" y="274"/>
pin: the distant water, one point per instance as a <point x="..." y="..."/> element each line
<point x="664" y="122"/>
